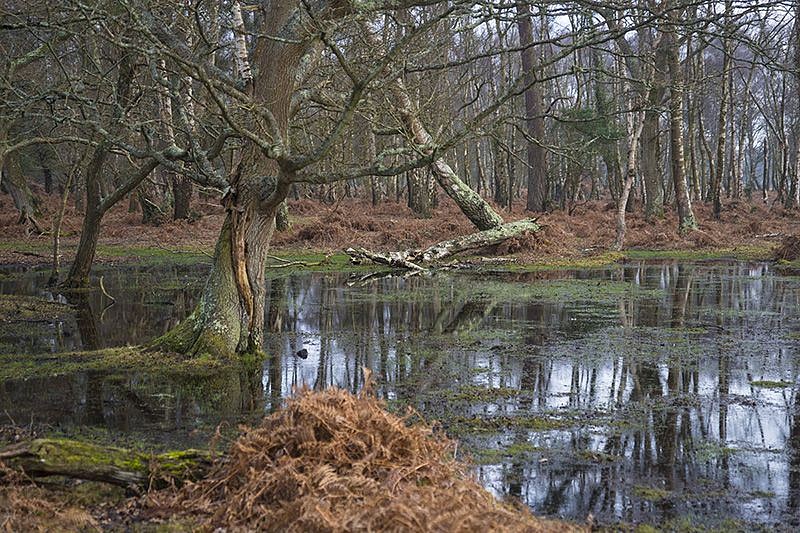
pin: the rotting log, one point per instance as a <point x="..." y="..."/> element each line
<point x="416" y="259"/>
<point x="93" y="462"/>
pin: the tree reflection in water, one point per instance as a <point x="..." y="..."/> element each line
<point x="652" y="379"/>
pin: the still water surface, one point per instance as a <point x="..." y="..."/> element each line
<point x="642" y="393"/>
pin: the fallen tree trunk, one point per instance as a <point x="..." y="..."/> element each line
<point x="415" y="259"/>
<point x="82" y="460"/>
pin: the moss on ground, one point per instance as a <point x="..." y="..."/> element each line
<point x="125" y="359"/>
<point x="651" y="494"/>
<point x="767" y="384"/>
<point x="31" y="309"/>
<point x="463" y="425"/>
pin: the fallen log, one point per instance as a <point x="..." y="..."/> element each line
<point x="119" y="466"/>
<point x="415" y="259"/>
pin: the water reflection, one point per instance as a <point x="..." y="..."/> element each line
<point x="640" y="393"/>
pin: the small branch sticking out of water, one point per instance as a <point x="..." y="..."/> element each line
<point x="103" y="288"/>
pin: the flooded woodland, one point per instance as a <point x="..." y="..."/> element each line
<point x="400" y="265"/>
<point x="649" y="392"/>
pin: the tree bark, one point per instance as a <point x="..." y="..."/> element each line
<point x="479" y="212"/>
<point x="182" y="189"/>
<point x="83" y="460"/>
<point x="651" y="174"/>
<point x="415" y="259"/>
<point x="686" y="219"/>
<point x="534" y="115"/>
<point x="24" y="200"/>
<point x="715" y="193"/>
<point x="229" y="320"/>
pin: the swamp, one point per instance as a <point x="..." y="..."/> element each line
<point x="660" y="392"/>
<point x="400" y="265"/>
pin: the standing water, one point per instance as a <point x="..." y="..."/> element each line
<point x="644" y="393"/>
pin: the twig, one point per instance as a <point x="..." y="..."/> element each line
<point x="103" y="288"/>
<point x="289" y="263"/>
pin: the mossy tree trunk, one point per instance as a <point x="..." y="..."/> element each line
<point x="83" y="460"/>
<point x="229" y="320"/>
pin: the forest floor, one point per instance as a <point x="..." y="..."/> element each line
<point x="326" y="228"/>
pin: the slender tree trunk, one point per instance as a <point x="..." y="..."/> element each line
<point x="501" y="192"/>
<point x="635" y="127"/>
<point x="651" y="173"/>
<point x="796" y="183"/>
<point x="686" y="219"/>
<point x="719" y="165"/>
<point x="534" y="115"/>
<point x="24" y="200"/>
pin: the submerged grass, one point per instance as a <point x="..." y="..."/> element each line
<point x="125" y="359"/>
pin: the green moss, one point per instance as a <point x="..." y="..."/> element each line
<point x="472" y="393"/>
<point x="21" y="366"/>
<point x="600" y="260"/>
<point x="489" y="456"/>
<point x="596" y="457"/>
<point x="459" y="425"/>
<point x="745" y="252"/>
<point x="767" y="384"/>
<point x="652" y="494"/>
<point x="77" y="454"/>
<point x="30" y="309"/>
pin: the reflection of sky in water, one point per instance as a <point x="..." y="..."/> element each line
<point x="663" y="383"/>
<point x="649" y="369"/>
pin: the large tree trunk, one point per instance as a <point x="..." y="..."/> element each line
<point x="225" y="322"/>
<point x="534" y="116"/>
<point x="229" y="320"/>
